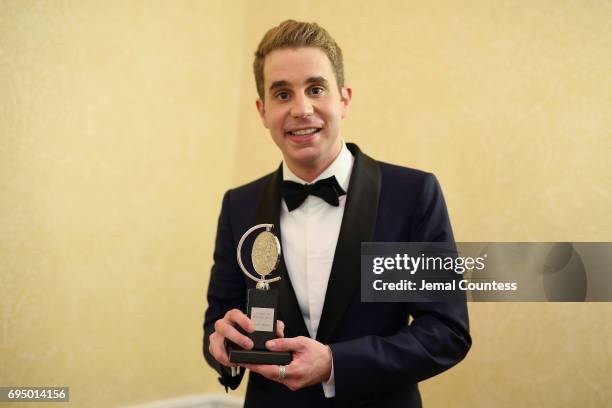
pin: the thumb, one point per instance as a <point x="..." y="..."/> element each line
<point x="280" y="328"/>
<point x="284" y="344"/>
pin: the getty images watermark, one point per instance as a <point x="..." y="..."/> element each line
<point x="481" y="271"/>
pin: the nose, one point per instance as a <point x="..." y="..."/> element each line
<point x="301" y="107"/>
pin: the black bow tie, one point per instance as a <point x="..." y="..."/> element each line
<point x="295" y="193"/>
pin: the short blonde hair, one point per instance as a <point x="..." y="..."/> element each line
<point x="295" y="34"/>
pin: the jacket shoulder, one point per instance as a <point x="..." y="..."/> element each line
<point x="395" y="175"/>
<point x="405" y="187"/>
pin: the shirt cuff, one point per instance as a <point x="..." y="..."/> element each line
<point x="329" y="387"/>
<point x="235" y="371"/>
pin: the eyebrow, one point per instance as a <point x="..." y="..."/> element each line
<point x="311" y="80"/>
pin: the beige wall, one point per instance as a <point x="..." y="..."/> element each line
<point x="115" y="118"/>
<point x="118" y="133"/>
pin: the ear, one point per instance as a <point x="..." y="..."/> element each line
<point x="345" y="100"/>
<point x="262" y="112"/>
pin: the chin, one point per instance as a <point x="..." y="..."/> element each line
<point x="304" y="160"/>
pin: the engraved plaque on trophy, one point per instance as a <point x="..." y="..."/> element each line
<point x="262" y="300"/>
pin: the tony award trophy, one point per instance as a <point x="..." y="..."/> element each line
<point x="261" y="301"/>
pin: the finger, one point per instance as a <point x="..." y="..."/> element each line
<point x="280" y="328"/>
<point x="236" y="316"/>
<point x="272" y="372"/>
<point x="269" y="371"/>
<point x="232" y="334"/>
<point x="218" y="351"/>
<point x="285" y="344"/>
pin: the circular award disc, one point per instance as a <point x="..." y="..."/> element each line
<point x="265" y="253"/>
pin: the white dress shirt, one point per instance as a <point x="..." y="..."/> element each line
<point x="309" y="235"/>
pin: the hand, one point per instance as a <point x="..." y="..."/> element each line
<point x="225" y="329"/>
<point x="312" y="362"/>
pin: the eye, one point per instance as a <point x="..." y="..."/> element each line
<point x="317" y="90"/>
<point x="283" y="95"/>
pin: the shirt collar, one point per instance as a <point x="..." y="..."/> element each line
<point x="341" y="167"/>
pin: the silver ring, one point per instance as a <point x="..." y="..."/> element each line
<point x="281" y="373"/>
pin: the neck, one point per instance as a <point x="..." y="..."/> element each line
<point x="310" y="172"/>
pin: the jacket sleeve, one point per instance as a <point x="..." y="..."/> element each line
<point x="436" y="339"/>
<point x="226" y="290"/>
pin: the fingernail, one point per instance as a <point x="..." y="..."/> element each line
<point x="248" y="344"/>
<point x="270" y="344"/>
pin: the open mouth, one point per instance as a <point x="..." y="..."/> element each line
<point x="304" y="132"/>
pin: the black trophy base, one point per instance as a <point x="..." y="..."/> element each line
<point x="260" y="357"/>
<point x="261" y="309"/>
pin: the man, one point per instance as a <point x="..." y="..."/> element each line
<point x="345" y="352"/>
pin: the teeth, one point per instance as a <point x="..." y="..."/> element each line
<point x="305" y="131"/>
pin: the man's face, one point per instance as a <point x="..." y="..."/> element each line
<point x="303" y="107"/>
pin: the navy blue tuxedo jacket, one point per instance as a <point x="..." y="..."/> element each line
<point x="378" y="356"/>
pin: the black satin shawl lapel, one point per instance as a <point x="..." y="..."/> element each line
<point x="358" y="223"/>
<point x="268" y="212"/>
